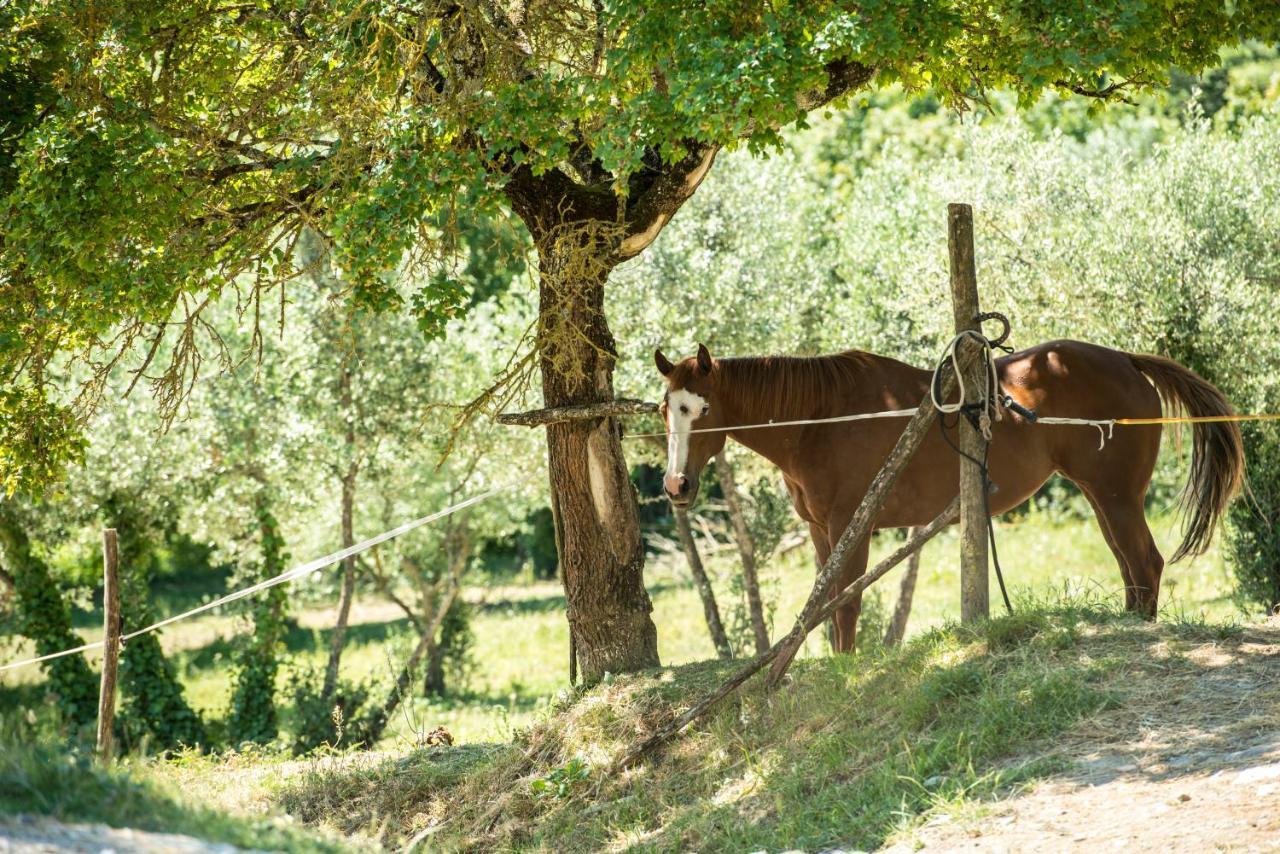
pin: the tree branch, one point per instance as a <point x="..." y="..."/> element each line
<point x="242" y="214"/>
<point x="384" y="587"/>
<point x="597" y="50"/>
<point x="843" y="77"/>
<point x="653" y="207"/>
<point x="218" y="174"/>
<point x="579" y="412"/>
<point x="1106" y="93"/>
<point x="553" y="197"/>
<point x="671" y="189"/>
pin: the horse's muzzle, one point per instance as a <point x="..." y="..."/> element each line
<point x="678" y="490"/>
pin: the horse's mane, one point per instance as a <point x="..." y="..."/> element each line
<point x="784" y="386"/>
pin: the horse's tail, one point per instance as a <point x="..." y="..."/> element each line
<point x="1217" y="451"/>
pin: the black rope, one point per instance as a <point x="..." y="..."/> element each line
<point x="971" y="412"/>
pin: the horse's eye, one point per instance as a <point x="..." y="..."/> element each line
<point x="706" y="407"/>
<point x="684" y="410"/>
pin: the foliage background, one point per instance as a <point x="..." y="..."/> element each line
<point x="1153" y="227"/>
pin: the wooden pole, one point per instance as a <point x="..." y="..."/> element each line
<point x="577" y="412"/>
<point x="919" y="536"/>
<point x="859" y="527"/>
<point x="974" y="596"/>
<point x="111" y="643"/>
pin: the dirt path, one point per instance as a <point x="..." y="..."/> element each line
<point x="45" y="836"/>
<point x="1192" y="766"/>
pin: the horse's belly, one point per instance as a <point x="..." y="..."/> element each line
<point x="933" y="479"/>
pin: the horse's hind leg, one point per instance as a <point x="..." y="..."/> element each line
<point x="1124" y="524"/>
<point x="1115" y="479"/>
<point x="1130" y="600"/>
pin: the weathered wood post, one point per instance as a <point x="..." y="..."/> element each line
<point x="111" y="642"/>
<point x="974" y="597"/>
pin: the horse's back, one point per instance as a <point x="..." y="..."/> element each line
<point x="1076" y="379"/>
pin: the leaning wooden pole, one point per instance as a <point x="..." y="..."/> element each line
<point x="746" y="550"/>
<point x="860" y="526"/>
<point x="915" y="542"/>
<point x="111" y="643"/>
<point x="974" y="595"/>
<point x="710" y="610"/>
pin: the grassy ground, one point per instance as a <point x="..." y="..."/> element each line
<point x="48" y="781"/>
<point x="522" y="642"/>
<point x="855" y="751"/>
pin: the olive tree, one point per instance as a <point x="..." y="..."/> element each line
<point x="175" y="151"/>
<point x="1166" y="248"/>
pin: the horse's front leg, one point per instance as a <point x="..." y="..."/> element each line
<point x="845" y="620"/>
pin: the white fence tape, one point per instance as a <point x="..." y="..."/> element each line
<point x="282" y="578"/>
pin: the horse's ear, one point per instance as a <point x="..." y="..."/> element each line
<point x="704" y="358"/>
<point x="664" y="364"/>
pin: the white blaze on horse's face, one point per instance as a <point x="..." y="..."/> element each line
<point x="683" y="408"/>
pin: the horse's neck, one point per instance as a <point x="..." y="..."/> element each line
<point x="778" y="445"/>
<point x="878" y="384"/>
<point x="753" y="401"/>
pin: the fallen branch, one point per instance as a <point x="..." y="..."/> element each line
<point x="897" y="629"/>
<point x="577" y="412"/>
<point x="859" y="527"/>
<point x="913" y="543"/>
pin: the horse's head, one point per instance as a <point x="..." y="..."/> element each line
<point x="690" y="405"/>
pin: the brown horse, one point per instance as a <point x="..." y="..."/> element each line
<point x="828" y="467"/>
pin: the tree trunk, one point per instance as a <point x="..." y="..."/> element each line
<point x="597" y="518"/>
<point x="339" y="638"/>
<point x="897" y="628"/>
<point x="709" y="607"/>
<point x="433" y="684"/>
<point x="253" y="703"/>
<point x="747" y="550"/>
<point x="155" y="699"/>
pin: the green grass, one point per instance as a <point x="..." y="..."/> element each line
<point x="522" y="640"/>
<point x="857" y="749"/>
<point x="853" y="751"/>
<point x="71" y="787"/>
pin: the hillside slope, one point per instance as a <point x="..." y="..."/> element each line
<point x="933" y="744"/>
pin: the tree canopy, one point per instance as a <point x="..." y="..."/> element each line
<point x="157" y="157"/>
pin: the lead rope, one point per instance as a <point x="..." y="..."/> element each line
<point x="979" y="414"/>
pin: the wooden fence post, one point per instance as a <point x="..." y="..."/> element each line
<point x="859" y="527"/>
<point x="111" y="642"/>
<point x="974" y="596"/>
